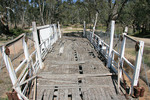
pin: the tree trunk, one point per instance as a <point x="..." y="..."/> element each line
<point x="143" y="29"/>
<point x="41" y="11"/>
<point x="134" y="28"/>
<point x="23" y="20"/>
<point x="108" y="24"/>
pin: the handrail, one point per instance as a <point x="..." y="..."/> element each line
<point x="130" y="38"/>
<point x="43" y="27"/>
<point x="22" y="63"/>
<point x="14" y="40"/>
<point x="29" y="65"/>
<point x="109" y="54"/>
<point x="129" y="63"/>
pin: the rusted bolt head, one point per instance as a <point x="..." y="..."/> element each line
<point x="26" y="39"/>
<point x="137" y="46"/>
<point x="142" y="91"/>
<point x="136" y="91"/>
<point x="7" y="51"/>
<point x="121" y="37"/>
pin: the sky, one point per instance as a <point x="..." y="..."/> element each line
<point x="73" y="0"/>
<point x="62" y="0"/>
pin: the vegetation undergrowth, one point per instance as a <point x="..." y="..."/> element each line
<point x="13" y="33"/>
<point x="142" y="35"/>
<point x="146" y="56"/>
<point x="17" y="31"/>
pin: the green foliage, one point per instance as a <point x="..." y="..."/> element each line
<point x="133" y="13"/>
<point x="4" y="98"/>
<point x="142" y="35"/>
<point x="17" y="31"/>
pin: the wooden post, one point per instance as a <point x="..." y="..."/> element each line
<point x="25" y="47"/>
<point x="84" y="29"/>
<point x="137" y="65"/>
<point x="59" y="30"/>
<point x="35" y="36"/>
<point x="94" y="26"/>
<point x="122" y="52"/>
<point x="111" y="43"/>
<point x="55" y="32"/>
<point x="120" y="62"/>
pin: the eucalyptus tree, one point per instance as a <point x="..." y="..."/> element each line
<point x="142" y="15"/>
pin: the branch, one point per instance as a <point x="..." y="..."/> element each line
<point x="122" y="6"/>
<point x="117" y="14"/>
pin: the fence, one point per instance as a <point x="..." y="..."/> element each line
<point x="110" y="54"/>
<point x="22" y="76"/>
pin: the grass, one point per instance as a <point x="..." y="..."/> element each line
<point x="4" y="98"/>
<point x="73" y="29"/>
<point x="146" y="56"/>
<point x="1" y="81"/>
<point x="142" y="35"/>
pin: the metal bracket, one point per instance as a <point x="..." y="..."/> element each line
<point x="26" y="39"/>
<point x="137" y="46"/>
<point x="7" y="51"/>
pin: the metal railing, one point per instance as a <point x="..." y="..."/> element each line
<point x="22" y="76"/>
<point x="108" y="52"/>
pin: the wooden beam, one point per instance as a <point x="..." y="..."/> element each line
<point x="77" y="75"/>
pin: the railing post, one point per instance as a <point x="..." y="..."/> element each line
<point x="10" y="68"/>
<point x="25" y="47"/>
<point x="122" y="51"/>
<point x="137" y="65"/>
<point x="94" y="27"/>
<point x="59" y="30"/>
<point x="111" y="43"/>
<point x="84" y="30"/>
<point x="55" y="32"/>
<point x="35" y="36"/>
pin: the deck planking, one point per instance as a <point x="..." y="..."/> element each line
<point x="71" y="73"/>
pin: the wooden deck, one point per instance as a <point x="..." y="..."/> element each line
<point x="74" y="72"/>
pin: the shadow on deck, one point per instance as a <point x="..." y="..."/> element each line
<point x="74" y="34"/>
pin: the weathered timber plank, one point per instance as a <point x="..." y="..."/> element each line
<point x="51" y="94"/>
<point x="95" y="92"/>
<point x="66" y="94"/>
<point x="41" y="94"/>
<point x="61" y="94"/>
<point x="68" y="86"/>
<point x="62" y="72"/>
<point x="76" y="75"/>
<point x="84" y="93"/>
<point x="103" y="96"/>
<point x="46" y="95"/>
<point x="75" y="94"/>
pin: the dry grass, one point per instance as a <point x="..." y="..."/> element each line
<point x="131" y="57"/>
<point x="1" y="81"/>
<point x="15" y="50"/>
<point x="130" y="54"/>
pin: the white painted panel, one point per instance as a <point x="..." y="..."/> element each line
<point x="44" y="33"/>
